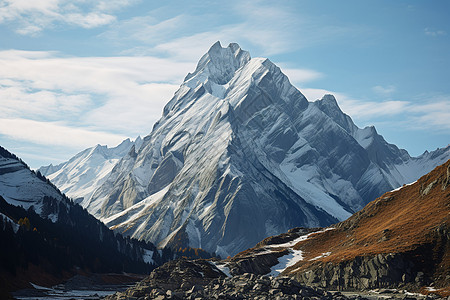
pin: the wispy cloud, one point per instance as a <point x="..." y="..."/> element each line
<point x="301" y="76"/>
<point x="257" y="25"/>
<point x="434" y="33"/>
<point x="55" y="134"/>
<point x="107" y="96"/>
<point x="31" y="17"/>
<point x="384" y="90"/>
<point x="145" y="29"/>
<point x="427" y="112"/>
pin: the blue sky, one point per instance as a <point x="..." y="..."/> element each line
<point x="75" y="74"/>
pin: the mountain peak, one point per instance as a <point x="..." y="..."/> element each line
<point x="329" y="98"/>
<point x="219" y="64"/>
<point x="328" y="103"/>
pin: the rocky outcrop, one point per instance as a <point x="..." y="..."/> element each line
<point x="200" y="279"/>
<point x="255" y="263"/>
<point x="258" y="260"/>
<point x="174" y="278"/>
<point x="362" y="273"/>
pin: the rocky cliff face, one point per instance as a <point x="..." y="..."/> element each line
<point x="400" y="270"/>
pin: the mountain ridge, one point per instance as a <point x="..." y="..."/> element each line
<point x="237" y="136"/>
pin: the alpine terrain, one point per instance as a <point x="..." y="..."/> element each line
<point x="240" y="154"/>
<point x="46" y="238"/>
<point x="397" y="247"/>
<point x="399" y="240"/>
<point x="79" y="177"/>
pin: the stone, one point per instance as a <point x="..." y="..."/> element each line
<point x="273" y="291"/>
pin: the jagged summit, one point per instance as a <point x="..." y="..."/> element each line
<point x="229" y="74"/>
<point x="219" y="64"/>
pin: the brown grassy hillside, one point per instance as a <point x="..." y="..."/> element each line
<point x="412" y="220"/>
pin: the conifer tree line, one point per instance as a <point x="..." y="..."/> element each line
<point x="76" y="240"/>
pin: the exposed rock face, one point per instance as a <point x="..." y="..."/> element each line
<point x="240" y="154"/>
<point x="410" y="252"/>
<point x="258" y="260"/>
<point x="403" y="270"/>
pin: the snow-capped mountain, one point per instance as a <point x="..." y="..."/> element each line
<point x="79" y="177"/>
<point x="240" y="154"/>
<point x="43" y="228"/>
<point x="20" y="186"/>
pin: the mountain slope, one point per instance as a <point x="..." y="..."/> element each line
<point x="46" y="237"/>
<point x="20" y="186"/>
<point x="79" y="177"/>
<point x="240" y="154"/>
<point x="398" y="240"/>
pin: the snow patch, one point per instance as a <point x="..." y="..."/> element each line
<point x="405" y="185"/>
<point x="14" y="225"/>
<point x="300" y="181"/>
<point x="286" y="261"/>
<point x="147" y="256"/>
<point x="222" y="267"/>
<point x="294" y="256"/>
<point x="134" y="212"/>
<point x="322" y="255"/>
<point x="297" y="240"/>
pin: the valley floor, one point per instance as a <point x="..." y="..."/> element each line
<point x="96" y="286"/>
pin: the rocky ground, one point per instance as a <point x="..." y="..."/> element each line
<point x="201" y="279"/>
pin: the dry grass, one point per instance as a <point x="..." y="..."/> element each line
<point x="397" y="222"/>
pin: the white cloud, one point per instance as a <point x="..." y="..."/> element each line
<point x="384" y="90"/>
<point x="121" y="96"/>
<point x="53" y="133"/>
<point x="300" y="76"/>
<point x="29" y="30"/>
<point x="434" y="33"/>
<point x="89" y="20"/>
<point x="31" y="17"/>
<point x="19" y="101"/>
<point x="427" y="112"/>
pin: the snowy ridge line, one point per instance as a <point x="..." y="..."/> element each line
<point x="297" y="240"/>
<point x="405" y="185"/>
<point x="8" y="219"/>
